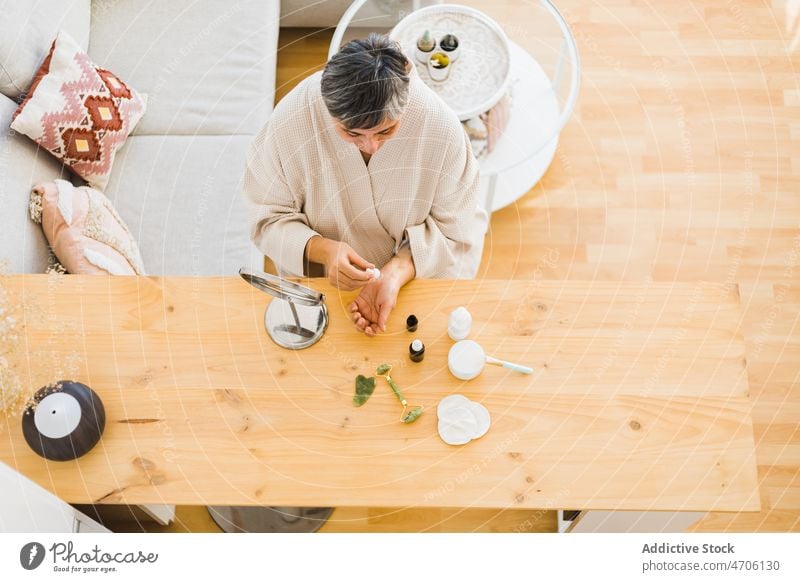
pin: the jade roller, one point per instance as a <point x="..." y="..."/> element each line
<point x="409" y="414"/>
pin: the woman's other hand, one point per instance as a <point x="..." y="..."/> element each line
<point x="345" y="267"/>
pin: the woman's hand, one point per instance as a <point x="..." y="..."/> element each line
<point x="345" y="267"/>
<point x="370" y="311"/>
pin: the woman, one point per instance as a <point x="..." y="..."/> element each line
<point x="364" y="166"/>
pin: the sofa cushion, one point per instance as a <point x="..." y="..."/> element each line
<point x="207" y="66"/>
<point x="85" y="232"/>
<point x="79" y="112"/>
<point x="23" y="248"/>
<point x="181" y="199"/>
<point x="29" y="28"/>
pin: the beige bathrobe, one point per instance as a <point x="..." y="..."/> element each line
<point x="420" y="186"/>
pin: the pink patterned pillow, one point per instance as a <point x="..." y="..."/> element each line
<point x="85" y="232"/>
<point x="79" y="112"/>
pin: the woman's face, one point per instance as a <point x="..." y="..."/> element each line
<point x="368" y="141"/>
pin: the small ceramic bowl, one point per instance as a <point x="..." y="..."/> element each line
<point x="466" y="359"/>
<point x="449" y="45"/>
<point x="423" y="55"/>
<point x="439" y="66"/>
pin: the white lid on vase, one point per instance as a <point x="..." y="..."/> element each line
<point x="57" y="415"/>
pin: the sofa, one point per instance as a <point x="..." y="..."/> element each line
<point x="208" y="70"/>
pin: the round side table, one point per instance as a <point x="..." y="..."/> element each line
<point x="542" y="77"/>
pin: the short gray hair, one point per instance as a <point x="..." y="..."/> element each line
<point x="366" y="82"/>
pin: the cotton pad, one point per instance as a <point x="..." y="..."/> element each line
<point x="451" y="401"/>
<point x="458" y="426"/>
<point x="461" y="420"/>
<point x="482" y="418"/>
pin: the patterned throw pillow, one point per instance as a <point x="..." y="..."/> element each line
<point x="78" y="111"/>
<point x="85" y="232"/>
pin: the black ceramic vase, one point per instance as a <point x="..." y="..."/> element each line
<point x="64" y="421"/>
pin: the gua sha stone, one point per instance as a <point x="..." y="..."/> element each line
<point x="64" y="421"/>
<point x="364" y="389"/>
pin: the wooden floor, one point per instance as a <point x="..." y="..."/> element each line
<point x="681" y="163"/>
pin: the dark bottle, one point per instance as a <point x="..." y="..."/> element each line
<point x="411" y="323"/>
<point x="416" y="351"/>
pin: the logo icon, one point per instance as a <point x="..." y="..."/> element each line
<point x="31" y="555"/>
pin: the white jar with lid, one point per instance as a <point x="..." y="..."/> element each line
<point x="459" y="324"/>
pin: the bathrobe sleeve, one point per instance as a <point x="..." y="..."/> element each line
<point x="449" y="243"/>
<point x="278" y="226"/>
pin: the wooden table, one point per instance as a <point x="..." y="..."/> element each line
<point x="639" y="399"/>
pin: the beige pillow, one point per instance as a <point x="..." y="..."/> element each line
<point x="85" y="232"/>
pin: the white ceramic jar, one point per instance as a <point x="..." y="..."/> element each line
<point x="459" y="324"/>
